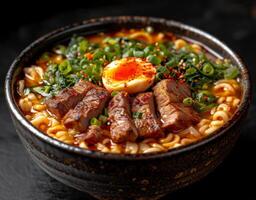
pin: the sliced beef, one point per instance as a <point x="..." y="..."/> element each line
<point x="176" y="116"/>
<point x="93" y="135"/>
<point x="122" y="127"/>
<point x="171" y="91"/>
<point x="67" y="99"/>
<point x="169" y="96"/>
<point x="146" y="121"/>
<point x="91" y="106"/>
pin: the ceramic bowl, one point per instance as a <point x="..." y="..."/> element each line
<point x="117" y="176"/>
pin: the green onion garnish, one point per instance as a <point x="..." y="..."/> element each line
<point x="137" y="115"/>
<point x="114" y="93"/>
<point x="95" y="121"/>
<point x="154" y="59"/>
<point x="188" y="101"/>
<point x="208" y="69"/>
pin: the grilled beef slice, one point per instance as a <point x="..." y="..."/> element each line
<point x="93" y="134"/>
<point x="174" y="114"/>
<point x="67" y="99"/>
<point x="146" y="120"/>
<point x="122" y="127"/>
<point x="91" y="106"/>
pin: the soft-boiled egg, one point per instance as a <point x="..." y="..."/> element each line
<point x="128" y="74"/>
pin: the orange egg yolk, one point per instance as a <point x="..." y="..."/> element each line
<point x="126" y="71"/>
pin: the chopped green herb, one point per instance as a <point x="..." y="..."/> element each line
<point x="205" y="96"/>
<point x="110" y="40"/>
<point x="231" y="73"/>
<point x="154" y="59"/>
<point x="65" y="67"/>
<point x="148" y="49"/>
<point x="172" y="62"/>
<point x="188" y="101"/>
<point x="42" y="90"/>
<point x="200" y="107"/>
<point x="208" y="69"/>
<point x="95" y="121"/>
<point x="190" y="71"/>
<point x="137" y="115"/>
<point x="114" y="93"/>
<point x="138" y="54"/>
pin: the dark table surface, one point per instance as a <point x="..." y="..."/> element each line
<point x="234" y="22"/>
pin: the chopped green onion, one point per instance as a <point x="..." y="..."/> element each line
<point x="107" y="49"/>
<point x="211" y="99"/>
<point x="190" y="71"/>
<point x="208" y="69"/>
<point x="188" y="101"/>
<point x="193" y="58"/>
<point x="83" y="44"/>
<point x="154" y="59"/>
<point x="231" y="73"/>
<point x="164" y="51"/>
<point x="128" y="53"/>
<point x="159" y="77"/>
<point x="98" y="54"/>
<point x="148" y="49"/>
<point x="162" y="69"/>
<point x="220" y="66"/>
<point x="205" y="96"/>
<point x="137" y="115"/>
<point x="172" y="62"/>
<point x="42" y="90"/>
<point x="95" y="121"/>
<point x="114" y="93"/>
<point x="65" y="67"/>
<point x="161" y="72"/>
<point x="202" y="57"/>
<point x="205" y="86"/>
<point x="201" y="107"/>
<point x="110" y="41"/>
<point x="138" y="54"/>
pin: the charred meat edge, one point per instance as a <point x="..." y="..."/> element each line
<point x="68" y="98"/>
<point x="146" y="123"/>
<point x="91" y="106"/>
<point x="174" y="114"/>
<point x="93" y="135"/>
<point x="122" y="127"/>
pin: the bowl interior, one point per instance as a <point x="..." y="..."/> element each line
<point x="107" y="24"/>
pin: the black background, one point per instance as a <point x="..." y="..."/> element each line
<point x="234" y="22"/>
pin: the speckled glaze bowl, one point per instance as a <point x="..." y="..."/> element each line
<point x="109" y="176"/>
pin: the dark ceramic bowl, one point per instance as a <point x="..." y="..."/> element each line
<point x="109" y="176"/>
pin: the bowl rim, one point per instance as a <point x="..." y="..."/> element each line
<point x="110" y="156"/>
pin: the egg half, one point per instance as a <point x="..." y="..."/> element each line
<point x="128" y="74"/>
